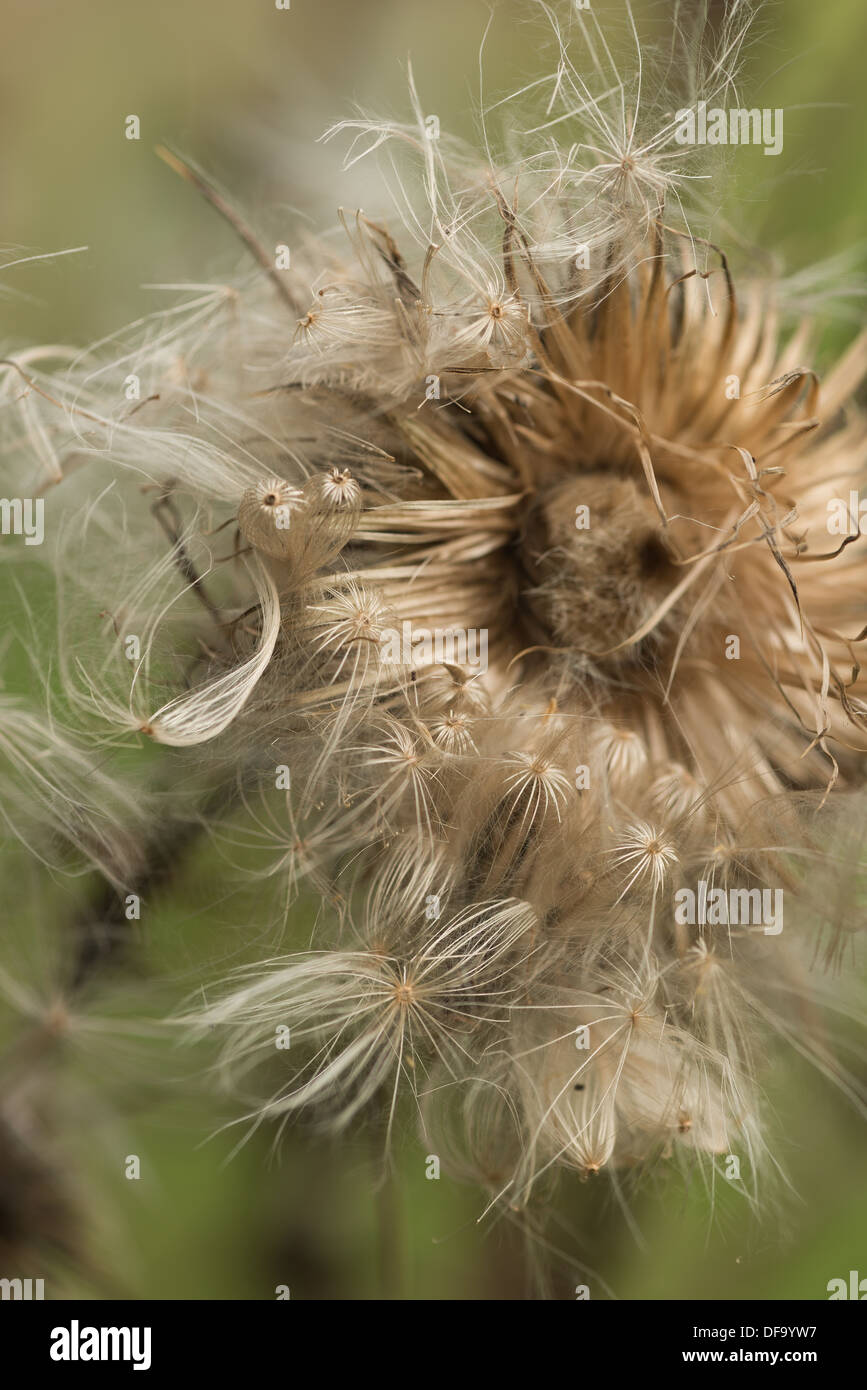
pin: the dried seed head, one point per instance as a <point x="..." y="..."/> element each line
<point x="517" y="426"/>
<point x="266" y="515"/>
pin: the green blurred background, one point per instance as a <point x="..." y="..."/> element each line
<point x="245" y="90"/>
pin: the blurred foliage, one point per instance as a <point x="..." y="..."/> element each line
<point x="246" y="90"/>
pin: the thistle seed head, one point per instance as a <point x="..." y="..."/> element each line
<point x="542" y="864"/>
